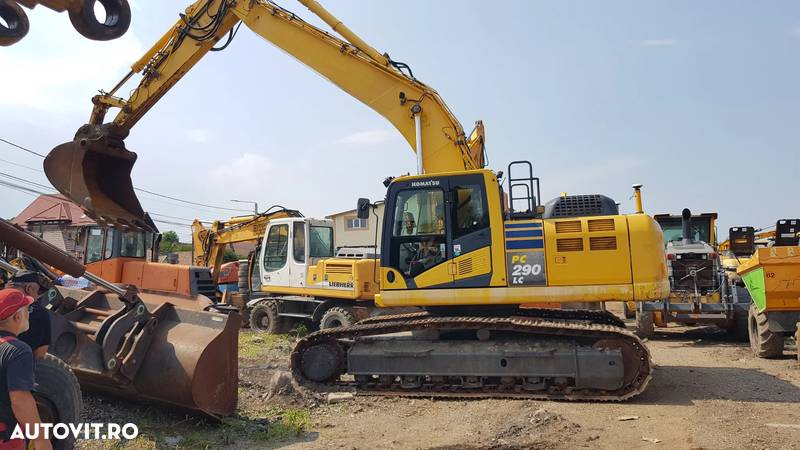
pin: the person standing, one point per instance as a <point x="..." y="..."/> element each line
<point x="38" y="334"/>
<point x="17" y="405"/>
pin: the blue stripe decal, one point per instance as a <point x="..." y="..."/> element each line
<point x="520" y="245"/>
<point x="524" y="225"/>
<point x="523" y="233"/>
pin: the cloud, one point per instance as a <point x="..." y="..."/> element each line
<point x="658" y="42"/>
<point x="248" y="173"/>
<point x="369" y="137"/>
<point x="197" y="135"/>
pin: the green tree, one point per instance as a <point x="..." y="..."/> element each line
<point x="230" y="255"/>
<point x="169" y="242"/>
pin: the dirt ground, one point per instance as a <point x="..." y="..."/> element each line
<point x="707" y="392"/>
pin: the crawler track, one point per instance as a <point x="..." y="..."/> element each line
<point x="600" y="330"/>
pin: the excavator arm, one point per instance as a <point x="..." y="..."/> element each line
<point x="94" y="169"/>
<point x="208" y="244"/>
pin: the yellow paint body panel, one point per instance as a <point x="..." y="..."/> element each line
<point x="514" y="295"/>
<point x="577" y="256"/>
<point x="352" y="279"/>
<point x="781" y="277"/>
<point x="648" y="261"/>
<point x="472" y="264"/>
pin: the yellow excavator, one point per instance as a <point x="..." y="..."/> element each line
<point x="208" y="244"/>
<point x="451" y="243"/>
<point x="111" y="24"/>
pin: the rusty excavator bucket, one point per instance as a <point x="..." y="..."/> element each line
<point x="94" y="171"/>
<point x="148" y="346"/>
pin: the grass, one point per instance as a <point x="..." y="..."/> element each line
<point x="254" y="345"/>
<point x="262" y="427"/>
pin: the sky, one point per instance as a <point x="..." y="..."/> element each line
<point x="697" y="102"/>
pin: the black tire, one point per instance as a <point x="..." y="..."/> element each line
<point x="797" y="341"/>
<point x="739" y="328"/>
<point x="116" y="23"/>
<point x="242" y="282"/>
<point x="645" y="328"/>
<point x="16" y="21"/>
<point x="58" y="396"/>
<point x="254" y="268"/>
<point x="765" y="343"/>
<point x="264" y="318"/>
<point x="627" y="311"/>
<point x="337" y="317"/>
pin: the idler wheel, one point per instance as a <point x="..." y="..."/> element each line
<point x="323" y="361"/>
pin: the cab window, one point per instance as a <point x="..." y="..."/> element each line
<point x="299" y="242"/>
<point x="276" y="247"/>
<point x="109" y="251"/>
<point x="94" y="245"/>
<point x="418" y="231"/>
<point x="673" y="229"/>
<point x="321" y="244"/>
<point x="132" y="244"/>
<point x="469" y="213"/>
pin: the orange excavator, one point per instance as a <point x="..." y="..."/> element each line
<point x="120" y="256"/>
<point x="143" y="345"/>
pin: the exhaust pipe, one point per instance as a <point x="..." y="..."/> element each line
<point x="115" y="342"/>
<point x="686" y="226"/>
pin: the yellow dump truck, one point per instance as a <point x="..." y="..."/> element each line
<point x="772" y="276"/>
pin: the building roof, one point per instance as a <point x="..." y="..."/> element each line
<point x="349" y="211"/>
<point x="53" y="208"/>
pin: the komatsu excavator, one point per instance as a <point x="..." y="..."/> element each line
<point x="450" y="245"/>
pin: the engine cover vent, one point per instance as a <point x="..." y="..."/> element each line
<point x="580" y="206"/>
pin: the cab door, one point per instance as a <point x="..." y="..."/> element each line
<point x="416" y="246"/>
<point x="469" y="231"/>
<point x="297" y="261"/>
<point x="275" y="255"/>
<point x="437" y="234"/>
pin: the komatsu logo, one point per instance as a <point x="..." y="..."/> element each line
<point x="427" y="183"/>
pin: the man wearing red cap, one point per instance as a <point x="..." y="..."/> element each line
<point x="38" y="334"/>
<point x="17" y="405"/>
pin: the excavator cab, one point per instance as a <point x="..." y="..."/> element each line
<point x="434" y="223"/>
<point x="291" y="246"/>
<point x="131" y="257"/>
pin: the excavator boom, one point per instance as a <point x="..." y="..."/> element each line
<point x="94" y="168"/>
<point x="208" y="244"/>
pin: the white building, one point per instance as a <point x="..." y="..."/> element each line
<point x="350" y="231"/>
